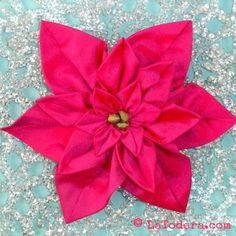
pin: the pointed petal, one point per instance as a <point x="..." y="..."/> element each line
<point x="105" y="138"/>
<point x="70" y="58"/>
<point x="172" y="122"/>
<point x="91" y="122"/>
<point x="79" y="154"/>
<point x="105" y="102"/>
<point x="156" y="82"/>
<point x="87" y="192"/>
<point x="140" y="169"/>
<point x="41" y="132"/>
<point x="215" y="119"/>
<point x="132" y="138"/>
<point x="145" y="114"/>
<point x="67" y="109"/>
<point x="166" y="42"/>
<point x="148" y="76"/>
<point x="119" y="68"/>
<point x="172" y="181"/>
<point x="130" y="97"/>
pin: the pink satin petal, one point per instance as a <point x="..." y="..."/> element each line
<point x="140" y="169"/>
<point x="105" y="138"/>
<point x="41" y="132"/>
<point x="172" y="122"/>
<point x="145" y="114"/>
<point x="70" y="58"/>
<point x="166" y="42"/>
<point x="130" y="97"/>
<point x="215" y="119"/>
<point x="67" y="109"/>
<point x="158" y="93"/>
<point x="79" y="154"/>
<point x="87" y="192"/>
<point x="132" y="138"/>
<point x="92" y="121"/>
<point x="105" y="102"/>
<point x="172" y="181"/>
<point x="119" y="68"/>
<point x="150" y="75"/>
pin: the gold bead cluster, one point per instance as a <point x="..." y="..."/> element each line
<point x="120" y="119"/>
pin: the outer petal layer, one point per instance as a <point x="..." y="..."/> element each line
<point x="67" y="109"/>
<point x="70" y="58"/>
<point x="41" y="132"/>
<point x="88" y="191"/>
<point x="172" y="122"/>
<point x="214" y="118"/>
<point x="172" y="181"/>
<point x="166" y="42"/>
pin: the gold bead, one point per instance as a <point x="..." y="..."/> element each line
<point x="113" y="118"/>
<point x="124" y="116"/>
<point x="122" y="125"/>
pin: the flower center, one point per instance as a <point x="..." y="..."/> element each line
<point x="120" y="119"/>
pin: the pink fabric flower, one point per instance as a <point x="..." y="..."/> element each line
<point x="120" y="119"/>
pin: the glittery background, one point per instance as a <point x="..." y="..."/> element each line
<point x="28" y="201"/>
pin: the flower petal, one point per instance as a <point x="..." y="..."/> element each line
<point x="67" y="109"/>
<point x="132" y="138"/>
<point x="41" y="132"/>
<point x="105" y="102"/>
<point x="145" y="114"/>
<point x="166" y="42"/>
<point x="79" y="154"/>
<point x="172" y="122"/>
<point x="70" y="58"/>
<point x="156" y="81"/>
<point x="130" y="97"/>
<point x="140" y="169"/>
<point x="119" y="68"/>
<point x="105" y="138"/>
<point x="172" y="181"/>
<point x="215" y="119"/>
<point x="91" y="122"/>
<point x="87" y="192"/>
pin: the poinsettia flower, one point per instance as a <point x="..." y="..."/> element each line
<point x="120" y="118"/>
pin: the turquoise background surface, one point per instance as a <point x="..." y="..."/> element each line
<point x="28" y="201"/>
